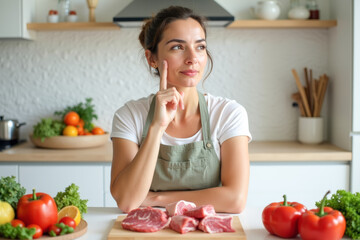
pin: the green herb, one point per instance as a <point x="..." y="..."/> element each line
<point x="8" y="231"/>
<point x="71" y="196"/>
<point x="11" y="191"/>
<point x="85" y="110"/>
<point x="349" y="205"/>
<point x="48" y="128"/>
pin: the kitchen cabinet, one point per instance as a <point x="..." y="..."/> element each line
<point x="109" y="200"/>
<point x="305" y="183"/>
<point x="54" y="177"/>
<point x="9" y="170"/>
<point x="14" y="15"/>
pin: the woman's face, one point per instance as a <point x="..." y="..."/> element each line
<point x="183" y="46"/>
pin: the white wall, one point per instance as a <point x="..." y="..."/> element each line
<point x="251" y="66"/>
<point x="340" y="69"/>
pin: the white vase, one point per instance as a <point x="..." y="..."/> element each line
<point x="267" y="9"/>
<point x="311" y="130"/>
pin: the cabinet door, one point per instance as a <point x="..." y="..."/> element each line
<point x="10" y="18"/>
<point x="301" y="182"/>
<point x="53" y="178"/>
<point x="8" y="170"/>
<point x="109" y="200"/>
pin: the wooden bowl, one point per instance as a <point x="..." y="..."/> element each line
<point x="65" y="142"/>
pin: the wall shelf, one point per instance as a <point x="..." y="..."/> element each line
<point x="65" y="26"/>
<point x="283" y="24"/>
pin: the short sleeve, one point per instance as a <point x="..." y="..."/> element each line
<point x="123" y="125"/>
<point x="234" y="122"/>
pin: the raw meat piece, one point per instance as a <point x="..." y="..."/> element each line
<point x="183" y="224"/>
<point x="145" y="220"/>
<point x="201" y="212"/>
<point x="179" y="208"/>
<point x="216" y="224"/>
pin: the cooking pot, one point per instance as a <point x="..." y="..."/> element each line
<point x="9" y="129"/>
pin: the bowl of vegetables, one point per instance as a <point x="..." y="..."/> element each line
<point x="74" y="129"/>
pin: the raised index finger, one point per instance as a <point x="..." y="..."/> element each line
<point x="163" y="76"/>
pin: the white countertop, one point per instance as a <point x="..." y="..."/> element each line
<point x="101" y="220"/>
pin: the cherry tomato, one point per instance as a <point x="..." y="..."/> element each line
<point x="97" y="131"/>
<point x="55" y="229"/>
<point x="17" y="222"/>
<point x="39" y="231"/>
<point x="68" y="221"/>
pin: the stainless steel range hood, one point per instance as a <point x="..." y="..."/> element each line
<point x="137" y="11"/>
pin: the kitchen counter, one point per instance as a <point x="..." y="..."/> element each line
<point x="266" y="151"/>
<point x="101" y="220"/>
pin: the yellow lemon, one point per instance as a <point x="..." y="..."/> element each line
<point x="6" y="212"/>
<point x="70" y="131"/>
<point x="70" y="211"/>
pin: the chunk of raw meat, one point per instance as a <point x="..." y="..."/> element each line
<point x="145" y="220"/>
<point x="179" y="208"/>
<point x="201" y="212"/>
<point x="216" y="224"/>
<point x="183" y="224"/>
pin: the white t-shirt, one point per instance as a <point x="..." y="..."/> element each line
<point x="227" y="119"/>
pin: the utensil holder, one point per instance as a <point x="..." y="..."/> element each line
<point x="311" y="130"/>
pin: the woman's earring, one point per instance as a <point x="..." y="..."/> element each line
<point x="155" y="66"/>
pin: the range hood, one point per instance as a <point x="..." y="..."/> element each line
<point x="137" y="11"/>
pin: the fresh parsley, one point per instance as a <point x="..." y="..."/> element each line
<point x="11" y="191"/>
<point x="48" y="127"/>
<point x="71" y="196"/>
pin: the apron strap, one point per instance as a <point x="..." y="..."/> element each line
<point x="204" y="116"/>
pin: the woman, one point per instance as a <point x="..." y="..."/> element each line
<point x="179" y="144"/>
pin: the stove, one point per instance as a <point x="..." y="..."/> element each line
<point x="6" y="144"/>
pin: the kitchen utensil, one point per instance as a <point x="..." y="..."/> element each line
<point x="9" y="129"/>
<point x="92" y="4"/>
<point x="66" y="142"/>
<point x="302" y="93"/>
<point x="117" y="232"/>
<point x="268" y="10"/>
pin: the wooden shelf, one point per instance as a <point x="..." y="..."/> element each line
<point x="283" y="24"/>
<point x="65" y="26"/>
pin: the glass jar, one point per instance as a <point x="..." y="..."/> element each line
<point x="313" y="8"/>
<point x="63" y="9"/>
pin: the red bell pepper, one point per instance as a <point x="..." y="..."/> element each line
<point x="281" y="218"/>
<point x="322" y="223"/>
<point x="37" y="208"/>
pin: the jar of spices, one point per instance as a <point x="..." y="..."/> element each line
<point x="313" y="8"/>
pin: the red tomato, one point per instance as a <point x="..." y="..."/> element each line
<point x="17" y="222"/>
<point x="54" y="230"/>
<point x="68" y="221"/>
<point x="39" y="231"/>
<point x="72" y="12"/>
<point x="97" y="131"/>
<point x="37" y="208"/>
<point x="72" y="118"/>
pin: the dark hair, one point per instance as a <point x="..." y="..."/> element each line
<point x="153" y="28"/>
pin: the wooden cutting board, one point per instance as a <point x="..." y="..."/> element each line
<point x="117" y="233"/>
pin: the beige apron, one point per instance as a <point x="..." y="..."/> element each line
<point x="186" y="167"/>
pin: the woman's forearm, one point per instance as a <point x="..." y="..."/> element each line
<point x="224" y="199"/>
<point x="131" y="185"/>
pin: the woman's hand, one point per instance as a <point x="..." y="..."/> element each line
<point x="167" y="101"/>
